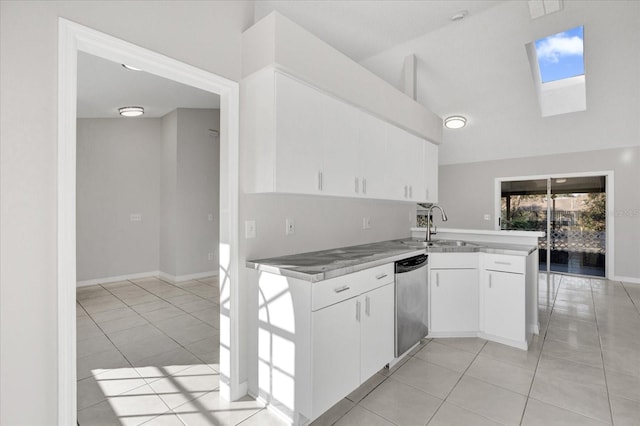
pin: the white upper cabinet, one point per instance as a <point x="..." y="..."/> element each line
<point x="299" y="136"/>
<point x="300" y="140"/>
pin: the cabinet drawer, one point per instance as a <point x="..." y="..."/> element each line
<point x="334" y="290"/>
<point x="453" y="260"/>
<point x="504" y="263"/>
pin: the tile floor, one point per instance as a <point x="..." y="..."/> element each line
<point x="583" y="368"/>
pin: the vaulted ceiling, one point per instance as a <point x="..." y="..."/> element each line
<point x="478" y="67"/>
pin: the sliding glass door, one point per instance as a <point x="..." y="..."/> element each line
<point x="572" y="212"/>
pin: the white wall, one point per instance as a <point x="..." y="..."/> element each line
<point x="118" y="174"/>
<point x="467" y="193"/>
<point x="203" y="34"/>
<point x="169" y="182"/>
<point x="197" y="192"/>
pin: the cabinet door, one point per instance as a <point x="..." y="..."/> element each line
<point x="406" y="155"/>
<point x="299" y="118"/>
<point x="373" y="166"/>
<point x="454" y="300"/>
<point x="336" y="353"/>
<point x="377" y="330"/>
<point x="504" y="305"/>
<point x="340" y="143"/>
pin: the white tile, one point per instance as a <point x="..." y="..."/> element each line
<point x="501" y="374"/>
<point x="131" y="408"/>
<point x="140" y="349"/>
<point x="333" y="414"/>
<point x="401" y="403"/>
<point x="523" y="359"/>
<point x="452" y="415"/>
<point x="433" y="379"/>
<point x="366" y="388"/>
<point x="122" y="323"/>
<point x="590" y="401"/>
<point x="134" y="334"/>
<point x="359" y="416"/>
<point x="539" y="413"/>
<point x="590" y="356"/>
<point x="446" y="356"/>
<point x="186" y="385"/>
<point x="625" y="412"/>
<point x="192" y="333"/>
<point x="165" y="364"/>
<point x="469" y="344"/>
<point x="98" y="363"/>
<point x="571" y="371"/>
<point x="210" y="409"/>
<point x="264" y="418"/>
<point x="623" y="385"/>
<point x="495" y="403"/>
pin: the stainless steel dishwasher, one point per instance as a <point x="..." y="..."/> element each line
<point x="411" y="302"/>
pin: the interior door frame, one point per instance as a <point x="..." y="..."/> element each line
<point x="609" y="268"/>
<point x="74" y="38"/>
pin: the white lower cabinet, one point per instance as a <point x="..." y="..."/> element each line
<point x="352" y="340"/>
<point x="503" y="302"/>
<point x="317" y="342"/>
<point x="336" y="353"/>
<point x="377" y="331"/>
<point x="454" y="301"/>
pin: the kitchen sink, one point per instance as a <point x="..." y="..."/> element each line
<point x="442" y="245"/>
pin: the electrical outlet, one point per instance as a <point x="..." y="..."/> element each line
<point x="290" y="227"/>
<point x="487" y="217"/>
<point x="210" y="217"/>
<point x="210" y="256"/>
<point x="135" y="217"/>
<point x="249" y="229"/>
<point x="366" y="223"/>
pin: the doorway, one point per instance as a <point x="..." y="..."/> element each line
<point x="74" y="38"/>
<point x="571" y="210"/>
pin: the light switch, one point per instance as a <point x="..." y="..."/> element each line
<point x="135" y="217"/>
<point x="487" y="217"/>
<point x="210" y="217"/>
<point x="249" y="229"/>
<point x="366" y="223"/>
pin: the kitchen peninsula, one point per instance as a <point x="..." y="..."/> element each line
<point x="326" y="318"/>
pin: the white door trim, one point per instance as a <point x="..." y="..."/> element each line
<point x="73" y="38"/>
<point x="610" y="246"/>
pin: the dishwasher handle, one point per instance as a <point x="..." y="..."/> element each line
<point x="411" y="263"/>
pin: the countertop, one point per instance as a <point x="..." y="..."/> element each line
<point x="325" y="264"/>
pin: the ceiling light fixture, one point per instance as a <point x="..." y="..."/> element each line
<point x="459" y="15"/>
<point x="455" y="122"/>
<point x="561" y="180"/>
<point x="129" y="67"/>
<point x="131" y="111"/>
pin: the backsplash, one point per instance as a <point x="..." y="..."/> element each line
<point x="421" y="221"/>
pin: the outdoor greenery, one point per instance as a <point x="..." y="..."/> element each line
<point x="594" y="215"/>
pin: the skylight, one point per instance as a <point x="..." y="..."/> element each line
<point x="560" y="55"/>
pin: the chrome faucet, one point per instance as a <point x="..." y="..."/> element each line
<point x="430" y="220"/>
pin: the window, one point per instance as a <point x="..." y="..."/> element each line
<point x="560" y="55"/>
<point x="557" y="67"/>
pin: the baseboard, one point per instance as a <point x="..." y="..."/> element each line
<point x="509" y="342"/>
<point x="114" y="279"/>
<point x="632" y="280"/>
<point x="162" y="275"/>
<point x="181" y="278"/>
<point x="444" y="334"/>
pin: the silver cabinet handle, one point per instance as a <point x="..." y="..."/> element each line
<point x="319" y="181"/>
<point x="410" y="191"/>
<point x="497" y="262"/>
<point x="367" y="303"/>
<point x="437" y="279"/>
<point x="406" y="191"/>
<point x="381" y="276"/>
<point x="341" y="289"/>
<point x="489" y="280"/>
<point x="364" y="185"/>
<point x="357" y="185"/>
<point x="358" y="310"/>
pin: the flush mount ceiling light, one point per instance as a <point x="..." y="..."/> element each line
<point x="455" y="122"/>
<point x="131" y="111"/>
<point x="561" y="180"/>
<point x="129" y="67"/>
